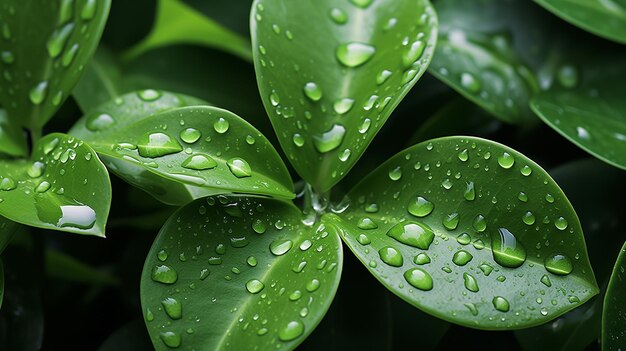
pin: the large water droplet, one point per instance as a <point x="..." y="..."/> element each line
<point x="342" y="106"/>
<point x="419" y="279"/>
<point x="239" y="167"/>
<point x="339" y="16"/>
<point x="100" y="122"/>
<point x="501" y="304"/>
<point x="391" y="256"/>
<point x="469" y="194"/>
<point x="221" y="125"/>
<point x="58" y="38"/>
<point x="462" y="257"/>
<point x="560" y="223"/>
<point x="158" y="144"/>
<point x="470" y="282"/>
<point x="38" y="93"/>
<point x="558" y="264"/>
<point x="190" y="135"/>
<point x="528" y="218"/>
<point x="506" y="161"/>
<point x="291" y="331"/>
<point x="329" y="140"/>
<point x="89" y="10"/>
<point x="313" y="91"/>
<point x="173" y="308"/>
<point x="171" y="339"/>
<point x="415" y="51"/>
<point x="254" y="286"/>
<point x="199" y="162"/>
<point x="451" y="221"/>
<point x="413" y="234"/>
<point x="507" y="250"/>
<point x="354" y="54"/>
<point x="280" y="247"/>
<point x="395" y="173"/>
<point x="164" y="274"/>
<point x="420" y="207"/>
<point x="479" y="223"/>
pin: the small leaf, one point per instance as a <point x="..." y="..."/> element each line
<point x="472" y="232"/>
<point x="614" y="312"/>
<point x="12" y="141"/>
<point x="606" y="18"/>
<point x="330" y="74"/>
<point x="63" y="187"/>
<point x="44" y="47"/>
<point x="180" y="153"/>
<point x="177" y="23"/>
<point x="269" y="278"/>
<point x="588" y="108"/>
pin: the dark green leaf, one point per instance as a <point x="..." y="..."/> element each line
<point x="331" y="74"/>
<point x="614" y="312"/>
<point x="45" y="45"/>
<point x="179" y="153"/>
<point x="228" y="273"/>
<point x="12" y="141"/>
<point x="404" y="322"/>
<point x="177" y="23"/>
<point x="7" y="230"/>
<point x="100" y="83"/>
<point x="606" y="18"/>
<point x="62" y="266"/>
<point x="130" y="337"/>
<point x="472" y="232"/>
<point x="1" y="282"/>
<point x="63" y="187"/>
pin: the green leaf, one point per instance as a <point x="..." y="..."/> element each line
<point x="45" y="45"/>
<point x="7" y="230"/>
<point x="179" y="153"/>
<point x="62" y="266"/>
<point x="331" y="74"/>
<point x="177" y="23"/>
<point x="1" y="282"/>
<point x="488" y="54"/>
<point x="101" y="82"/>
<point x="589" y="110"/>
<point x="606" y="18"/>
<point x="227" y="273"/>
<point x="130" y="337"/>
<point x="614" y="312"/>
<point x="472" y="232"/>
<point x="12" y="141"/>
<point x="63" y="187"/>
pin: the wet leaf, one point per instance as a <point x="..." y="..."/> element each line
<point x="177" y="23"/>
<point x="227" y="273"/>
<point x="614" y="312"/>
<point x="606" y="18"/>
<point x="181" y="153"/>
<point x="327" y="83"/>
<point x="472" y="232"/>
<point x="45" y="46"/>
<point x="63" y="187"/>
<point x="12" y="141"/>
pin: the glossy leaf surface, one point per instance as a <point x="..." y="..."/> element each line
<point x="148" y="135"/>
<point x="63" y="187"/>
<point x="330" y="74"/>
<point x="606" y="18"/>
<point x="12" y="141"/>
<point x="614" y="316"/>
<point x="472" y="232"/>
<point x="177" y="23"/>
<point x="45" y="46"/>
<point x="227" y="273"/>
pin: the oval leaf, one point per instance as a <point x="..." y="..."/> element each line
<point x="472" y="232"/>
<point x="269" y="278"/>
<point x="606" y="18"/>
<point x="330" y="74"/>
<point x="64" y="187"/>
<point x="45" y="45"/>
<point x="12" y="141"/>
<point x="207" y="149"/>
<point x="614" y="310"/>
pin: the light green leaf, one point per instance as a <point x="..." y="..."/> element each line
<point x="252" y="262"/>
<point x="45" y="46"/>
<point x="63" y="187"/>
<point x="330" y="74"/>
<point x="606" y="18"/>
<point x="12" y="141"/>
<point x="614" y="312"/>
<point x="177" y="23"/>
<point x="180" y="153"/>
<point x="472" y="232"/>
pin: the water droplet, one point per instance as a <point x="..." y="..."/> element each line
<point x="464" y="239"/>
<point x="486" y="269"/>
<point x="391" y="256"/>
<point x="522" y="197"/>
<point x="550" y="198"/>
<point x="190" y="135"/>
<point x="298" y="140"/>
<point x="7" y="57"/>
<point x="383" y="76"/>
<point x="251" y="261"/>
<point x="501" y="304"/>
<point x="419" y="279"/>
<point x="413" y="234"/>
<point x="312" y="91"/>
<point x="546" y="281"/>
<point x="291" y="331"/>
<point x="164" y="274"/>
<point x="568" y="76"/>
<point x="363" y="239"/>
<point x="558" y="264"/>
<point x="463" y="155"/>
<point x="469" y="194"/>
<point x="365" y="126"/>
<point x="43" y="187"/>
<point x="395" y="173"/>
<point x="506" y="161"/>
<point x="68" y="56"/>
<point x="199" y="162"/>
<point x="526" y="171"/>
<point x="254" y="286"/>
<point x="89" y="10"/>
<point x="469" y="82"/>
<point x="239" y="167"/>
<point x="329" y="140"/>
<point x="354" y="54"/>
<point x="259" y="227"/>
<point x="421" y="259"/>
<point x="342" y="106"/>
<point x="366" y="223"/>
<point x="7" y="184"/>
<point x="451" y="221"/>
<point x="149" y="95"/>
<point x="415" y="51"/>
<point x="446" y="184"/>
<point x="462" y="257"/>
<point x="221" y="125"/>
<point x="339" y="16"/>
<point x="173" y="308"/>
<point x="36" y="169"/>
<point x="528" y="218"/>
<point x="420" y="207"/>
<point x="560" y="223"/>
<point x="472" y="308"/>
<point x="171" y="339"/>
<point x="159" y="144"/>
<point x="58" y="38"/>
<point x="470" y="282"/>
<point x="312" y="285"/>
<point x="362" y="3"/>
<point x="38" y="93"/>
<point x="99" y="122"/>
<point x="280" y="247"/>
<point x="507" y="250"/>
<point x="479" y="223"/>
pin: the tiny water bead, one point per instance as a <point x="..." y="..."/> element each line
<point x="391" y="256"/>
<point x="291" y="331"/>
<point x="158" y="144"/>
<point x="413" y="234"/>
<point x="558" y="264"/>
<point x="506" y="249"/>
<point x="419" y="279"/>
<point x="329" y="140"/>
<point x="199" y="162"/>
<point x="420" y="207"/>
<point x="312" y="91"/>
<point x="354" y="54"/>
<point x="501" y="304"/>
<point x="254" y="286"/>
<point x="339" y="16"/>
<point x="506" y="161"/>
<point x="164" y="274"/>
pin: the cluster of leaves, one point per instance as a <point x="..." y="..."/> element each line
<point x="463" y="228"/>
